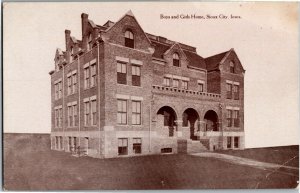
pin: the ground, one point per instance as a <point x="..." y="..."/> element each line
<point x="29" y="164"/>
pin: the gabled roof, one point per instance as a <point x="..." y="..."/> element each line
<point x="160" y="49"/>
<point x="180" y="49"/>
<point x="213" y="62"/>
<point x="129" y="13"/>
<point x="195" y="60"/>
<point x="74" y="39"/>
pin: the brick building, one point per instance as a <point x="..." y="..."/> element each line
<point x="122" y="92"/>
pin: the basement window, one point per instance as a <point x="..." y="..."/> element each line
<point x="137" y="145"/>
<point x="122" y="146"/>
<point x="166" y="150"/>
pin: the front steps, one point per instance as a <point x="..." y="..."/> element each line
<point x="194" y="146"/>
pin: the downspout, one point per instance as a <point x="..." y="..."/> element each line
<point x="98" y="98"/>
<point x="79" y="115"/>
<point x="150" y="113"/>
<point x="63" y="107"/>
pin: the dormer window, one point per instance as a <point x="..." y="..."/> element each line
<point x="72" y="51"/>
<point x="175" y="59"/>
<point x="232" y="67"/>
<point x="90" y="42"/>
<point x="129" y="40"/>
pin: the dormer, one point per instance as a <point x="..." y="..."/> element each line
<point x="58" y="59"/>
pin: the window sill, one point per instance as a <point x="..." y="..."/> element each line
<point x="122" y="84"/>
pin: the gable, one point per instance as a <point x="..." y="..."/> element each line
<point x="176" y="48"/>
<point x="231" y="56"/>
<point x="115" y="33"/>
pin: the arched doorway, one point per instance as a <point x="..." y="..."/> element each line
<point x="211" y="120"/>
<point x="190" y="118"/>
<point x="169" y="118"/>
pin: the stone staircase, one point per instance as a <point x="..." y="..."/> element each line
<point x="194" y="146"/>
<point x="205" y="143"/>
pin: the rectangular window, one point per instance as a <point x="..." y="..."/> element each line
<point x="69" y="80"/>
<point x="229" y="142"/>
<point x="166" y="81"/>
<point x="74" y="80"/>
<point x="185" y="85"/>
<point x="136" y="112"/>
<point x="137" y="145"/>
<point x="229" y="91"/>
<point x="60" y="117"/>
<point x="136" y="75"/>
<point x="75" y="118"/>
<point x="86" y="113"/>
<point x="56" y="117"/>
<point x="56" y="91"/>
<point x="70" y="116"/>
<point x="236" y="92"/>
<point x="86" y="78"/>
<point x="121" y="73"/>
<point x="59" y="90"/>
<point x="236" y="118"/>
<point x="93" y="75"/>
<point x="236" y="142"/>
<point x="94" y="112"/>
<point x="122" y="146"/>
<point x="122" y="112"/>
<point x="229" y="118"/>
<point x="200" y="87"/>
<point x="175" y="83"/>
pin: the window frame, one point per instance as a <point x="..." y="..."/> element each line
<point x="122" y="72"/>
<point x="201" y="87"/>
<point x="228" y="91"/>
<point x="136" y="75"/>
<point x="232" y="67"/>
<point x="87" y="113"/>
<point x="123" y="146"/>
<point x="236" y="92"/>
<point x="177" y="82"/>
<point x="129" y="39"/>
<point x="229" y="117"/>
<point x="185" y="85"/>
<point x="137" y="145"/>
<point x="176" y="59"/>
<point x="121" y="113"/>
<point x="137" y="112"/>
<point x="93" y="112"/>
<point x="167" y="82"/>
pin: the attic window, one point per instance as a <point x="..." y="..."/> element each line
<point x="90" y="42"/>
<point x="129" y="40"/>
<point x="232" y="67"/>
<point x="175" y="59"/>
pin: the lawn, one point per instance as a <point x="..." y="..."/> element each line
<point x="29" y="164"/>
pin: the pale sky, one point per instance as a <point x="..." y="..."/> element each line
<point x="265" y="40"/>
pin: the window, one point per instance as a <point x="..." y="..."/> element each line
<point x="121" y="73"/>
<point x="236" y="118"/>
<point x="166" y="81"/>
<point x="86" y="78"/>
<point x="236" y="92"/>
<point x="122" y="112"/>
<point x="229" y="91"/>
<point x="56" y="115"/>
<point x="129" y="40"/>
<point x="69" y="80"/>
<point x="200" y="87"/>
<point x="136" y="112"/>
<point x="94" y="112"/>
<point x="59" y="90"/>
<point x="60" y="117"/>
<point x="70" y="116"/>
<point x="236" y="142"/>
<point x="137" y="145"/>
<point x="175" y="59"/>
<point x="232" y="67"/>
<point x="74" y="80"/>
<point x="90" y="42"/>
<point x="86" y="113"/>
<point x="93" y="74"/>
<point x="175" y="83"/>
<point x="185" y="85"/>
<point x="136" y="75"/>
<point x="122" y="146"/>
<point x="75" y="120"/>
<point x="229" y="118"/>
<point x="229" y="142"/>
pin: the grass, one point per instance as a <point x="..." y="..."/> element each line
<point x="29" y="164"/>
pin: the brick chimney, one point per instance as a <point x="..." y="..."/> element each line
<point x="67" y="38"/>
<point x="84" y="23"/>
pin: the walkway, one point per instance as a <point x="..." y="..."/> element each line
<point x="243" y="161"/>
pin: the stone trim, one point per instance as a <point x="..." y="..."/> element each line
<point x="200" y="81"/>
<point x="58" y="80"/>
<point x="229" y="81"/>
<point x="136" y="62"/>
<point x="121" y="96"/>
<point x="236" y="83"/>
<point x="58" y="107"/>
<point x="136" y="98"/>
<point x="122" y="59"/>
<point x="177" y="77"/>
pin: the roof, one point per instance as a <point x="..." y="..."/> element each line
<point x="160" y="49"/>
<point x="195" y="60"/>
<point x="213" y="62"/>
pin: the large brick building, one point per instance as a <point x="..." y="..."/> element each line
<point x="121" y="91"/>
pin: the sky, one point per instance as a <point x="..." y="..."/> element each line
<point x="265" y="39"/>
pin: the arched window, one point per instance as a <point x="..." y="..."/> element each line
<point x="232" y="67"/>
<point x="129" y="40"/>
<point x="90" y="42"/>
<point x="175" y="59"/>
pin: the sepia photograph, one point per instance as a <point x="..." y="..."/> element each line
<point x="150" y="95"/>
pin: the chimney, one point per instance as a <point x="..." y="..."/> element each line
<point x="84" y="23"/>
<point x="67" y="38"/>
